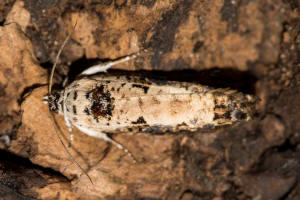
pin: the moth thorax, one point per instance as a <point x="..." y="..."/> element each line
<point x="54" y="102"/>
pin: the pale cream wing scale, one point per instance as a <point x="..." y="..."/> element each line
<point x="109" y="104"/>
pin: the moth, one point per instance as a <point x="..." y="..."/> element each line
<point x="101" y="104"/>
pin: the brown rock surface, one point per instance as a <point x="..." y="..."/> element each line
<point x="253" y="44"/>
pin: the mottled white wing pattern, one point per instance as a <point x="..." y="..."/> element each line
<point x="113" y="104"/>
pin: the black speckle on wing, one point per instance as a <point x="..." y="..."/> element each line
<point x="143" y="87"/>
<point x="140" y="120"/>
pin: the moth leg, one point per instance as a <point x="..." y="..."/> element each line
<point x="71" y="139"/>
<point x="103" y="67"/>
<point x="69" y="126"/>
<point x="65" y="82"/>
<point x="104" y="137"/>
<point x="67" y="121"/>
<point x="121" y="147"/>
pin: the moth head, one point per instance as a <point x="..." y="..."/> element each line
<point x="54" y="101"/>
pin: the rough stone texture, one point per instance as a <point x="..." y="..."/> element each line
<point x="19" y="74"/>
<point x="254" y="160"/>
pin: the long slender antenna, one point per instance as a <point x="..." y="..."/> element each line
<point x="49" y="92"/>
<point x="57" y="57"/>
<point x="66" y="149"/>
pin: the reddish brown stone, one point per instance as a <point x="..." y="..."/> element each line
<point x="242" y="39"/>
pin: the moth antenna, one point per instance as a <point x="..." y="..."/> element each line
<point x="66" y="149"/>
<point x="49" y="92"/>
<point x="57" y="57"/>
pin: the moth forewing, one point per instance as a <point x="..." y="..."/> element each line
<point x="109" y="104"/>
